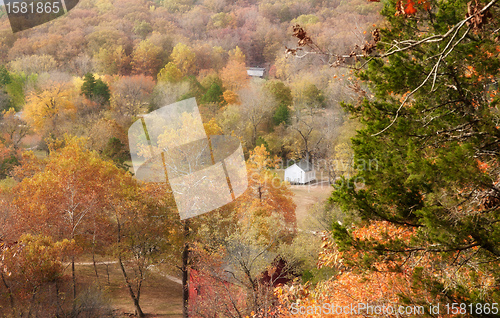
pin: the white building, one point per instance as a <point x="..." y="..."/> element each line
<point x="301" y="172"/>
<point x="256" y="71"/>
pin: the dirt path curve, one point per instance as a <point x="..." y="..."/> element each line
<point x="305" y="196"/>
<point x="153" y="268"/>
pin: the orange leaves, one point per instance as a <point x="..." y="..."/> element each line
<point x="234" y="76"/>
<point x="483" y="166"/>
<point x="70" y="195"/>
<point x="389" y="280"/>
<point x="470" y="71"/>
<point x="404" y="96"/>
<point x="383" y="230"/>
<point x="231" y="98"/>
<point x="409" y="7"/>
<point x="329" y="256"/>
<point x="343" y="291"/>
<point x="266" y="194"/>
<point x="4" y="151"/>
<point x="494" y="93"/>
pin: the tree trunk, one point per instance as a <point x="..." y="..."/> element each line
<point x="93" y="252"/>
<point x="73" y="276"/>
<point x="11" y="296"/>
<point x="58" y="301"/>
<point x="135" y="299"/>
<point x="95" y="265"/>
<point x="185" y="277"/>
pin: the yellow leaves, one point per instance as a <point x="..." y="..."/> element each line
<point x="146" y="58"/>
<point x="268" y="200"/>
<point x="259" y="158"/>
<point x="187" y="129"/>
<point x="231" y="98"/>
<point x="9" y="114"/>
<point x="237" y="55"/>
<point x="212" y="128"/>
<point x="184" y="58"/>
<point x="44" y="109"/>
<point x="170" y="73"/>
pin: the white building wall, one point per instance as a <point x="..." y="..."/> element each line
<point x="293" y="174"/>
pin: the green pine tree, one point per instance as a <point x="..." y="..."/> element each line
<point x="88" y="85"/>
<point x="281" y="115"/>
<point x="213" y="95"/>
<point x="283" y="95"/>
<point x="95" y="90"/>
<point x="101" y="92"/>
<point x="428" y="159"/>
<point x="4" y="76"/>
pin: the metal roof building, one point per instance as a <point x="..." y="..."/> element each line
<point x="256" y="71"/>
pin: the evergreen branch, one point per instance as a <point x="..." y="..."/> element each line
<point x="435" y="68"/>
<point x="437" y="37"/>
<point x="405" y="100"/>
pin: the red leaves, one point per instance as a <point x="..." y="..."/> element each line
<point x="409" y="7"/>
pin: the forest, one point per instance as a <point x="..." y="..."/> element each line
<point x="394" y="103"/>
